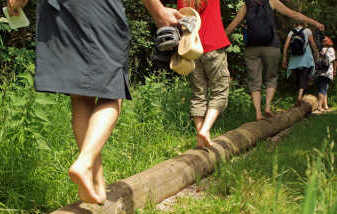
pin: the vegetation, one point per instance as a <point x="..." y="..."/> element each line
<point x="37" y="145"/>
<point x="296" y="175"/>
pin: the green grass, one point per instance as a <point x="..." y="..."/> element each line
<point x="37" y="147"/>
<point x="298" y="176"/>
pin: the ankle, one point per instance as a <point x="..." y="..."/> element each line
<point x="86" y="159"/>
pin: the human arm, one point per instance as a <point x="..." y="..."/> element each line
<point x="281" y="8"/>
<point x="237" y="20"/>
<point x="313" y="46"/>
<point x="15" y="5"/>
<point x="285" y="53"/>
<point x="163" y="16"/>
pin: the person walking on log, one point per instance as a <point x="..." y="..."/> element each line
<point x="263" y="46"/>
<point x="82" y="51"/>
<point x="326" y="77"/>
<point x="211" y="73"/>
<point x="301" y="60"/>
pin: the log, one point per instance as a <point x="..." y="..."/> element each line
<point x="169" y="177"/>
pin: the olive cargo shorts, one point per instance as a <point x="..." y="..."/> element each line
<point x="266" y="59"/>
<point x="210" y="83"/>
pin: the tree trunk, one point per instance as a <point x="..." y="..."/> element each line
<point x="169" y="177"/>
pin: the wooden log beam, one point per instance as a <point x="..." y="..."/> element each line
<point x="169" y="177"/>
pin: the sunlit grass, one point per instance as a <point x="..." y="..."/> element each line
<point x="37" y="147"/>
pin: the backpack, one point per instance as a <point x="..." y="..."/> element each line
<point x="260" y="30"/>
<point x="298" y="43"/>
<point x="322" y="64"/>
<point x="318" y="37"/>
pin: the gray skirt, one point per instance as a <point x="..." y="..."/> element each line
<point x="82" y="48"/>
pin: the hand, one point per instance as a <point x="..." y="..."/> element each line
<point x="14" y="6"/>
<point x="320" y="26"/>
<point x="169" y="17"/>
<point x="285" y="64"/>
<point x="316" y="55"/>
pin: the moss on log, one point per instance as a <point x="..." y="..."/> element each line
<point x="169" y="177"/>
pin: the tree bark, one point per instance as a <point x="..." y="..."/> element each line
<point x="169" y="177"/>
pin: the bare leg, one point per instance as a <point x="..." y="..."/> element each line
<point x="325" y="103"/>
<point x="98" y="178"/>
<point x="86" y="169"/>
<point x="320" y="101"/>
<point x="256" y="97"/>
<point x="204" y="133"/>
<point x="269" y="98"/>
<point x="82" y="108"/>
<point x="198" y="121"/>
<point x="300" y="97"/>
<point x="120" y="102"/>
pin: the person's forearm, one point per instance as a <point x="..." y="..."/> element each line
<point x="230" y="28"/>
<point x="163" y="16"/>
<point x="300" y="17"/>
<point x="155" y="8"/>
<point x="237" y="20"/>
<point x="315" y="49"/>
<point x="285" y="53"/>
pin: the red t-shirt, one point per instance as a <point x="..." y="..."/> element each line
<point x="212" y="32"/>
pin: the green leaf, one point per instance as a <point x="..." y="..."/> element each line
<point x="310" y="199"/>
<point x="45" y="100"/>
<point x="19" y="100"/>
<point x="27" y="76"/>
<point x="41" y="115"/>
<point x="42" y="145"/>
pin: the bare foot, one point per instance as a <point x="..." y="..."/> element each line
<point x="100" y="189"/>
<point x="204" y="139"/>
<point x="298" y="103"/>
<point x="269" y="114"/>
<point x="259" y="116"/>
<point x="81" y="174"/>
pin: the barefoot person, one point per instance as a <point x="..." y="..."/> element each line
<point x="211" y="73"/>
<point x="82" y="51"/>
<point x="326" y="77"/>
<point x="263" y="46"/>
<point x="300" y="41"/>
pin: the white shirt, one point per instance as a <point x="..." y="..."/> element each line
<point x="330" y="52"/>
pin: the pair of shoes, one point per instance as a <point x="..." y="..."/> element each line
<point x="166" y="44"/>
<point x="190" y="47"/>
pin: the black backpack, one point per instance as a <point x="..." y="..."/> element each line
<point x="318" y="37"/>
<point x="260" y="30"/>
<point x="298" y="43"/>
<point x="322" y="64"/>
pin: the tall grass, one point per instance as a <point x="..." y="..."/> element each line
<point x="299" y="176"/>
<point x="37" y="146"/>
